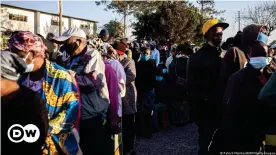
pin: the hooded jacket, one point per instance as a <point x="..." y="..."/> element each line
<point x="236" y="58"/>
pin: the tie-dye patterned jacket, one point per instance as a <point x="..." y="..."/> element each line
<point x="60" y="94"/>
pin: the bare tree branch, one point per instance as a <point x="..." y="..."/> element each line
<point x="262" y="13"/>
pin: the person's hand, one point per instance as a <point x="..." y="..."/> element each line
<point x="38" y="62"/>
<point x="94" y="75"/>
<point x="72" y="73"/>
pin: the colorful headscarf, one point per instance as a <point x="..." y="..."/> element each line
<point x="27" y="41"/>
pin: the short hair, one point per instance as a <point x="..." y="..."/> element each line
<point x="147" y="49"/>
<point x="50" y="36"/>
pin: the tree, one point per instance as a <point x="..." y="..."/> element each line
<point x="262" y="13"/>
<point x="126" y="8"/>
<point x="178" y="21"/>
<point x="207" y="8"/>
<point x="115" y="29"/>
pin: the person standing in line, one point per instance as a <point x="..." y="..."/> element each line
<point x="203" y="82"/>
<point x="104" y="36"/>
<point x="268" y="97"/>
<point x="243" y="120"/>
<point x="129" y="103"/>
<point x="55" y="85"/>
<point x="145" y="84"/>
<point x="87" y="66"/>
<point x="237" y="57"/>
<point x="155" y="53"/>
<point x="20" y="105"/>
<point x="113" y="59"/>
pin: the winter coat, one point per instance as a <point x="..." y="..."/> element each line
<point x="130" y="99"/>
<point x="203" y="75"/>
<point x="268" y="98"/>
<point x="242" y="121"/>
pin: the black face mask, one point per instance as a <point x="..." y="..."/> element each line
<point x="70" y="48"/>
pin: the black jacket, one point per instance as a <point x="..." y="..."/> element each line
<point x="145" y="78"/>
<point x="203" y="75"/>
<point x="243" y="123"/>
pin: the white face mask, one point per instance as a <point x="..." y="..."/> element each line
<point x="29" y="67"/>
<point x="259" y="62"/>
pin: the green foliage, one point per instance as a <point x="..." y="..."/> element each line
<point x="4" y="42"/>
<point x="115" y="29"/>
<point x="177" y="21"/>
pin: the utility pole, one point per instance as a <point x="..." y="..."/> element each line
<point x="239" y="20"/>
<point x="202" y="6"/>
<point x="60" y="16"/>
<point x="125" y="24"/>
<point x="125" y="16"/>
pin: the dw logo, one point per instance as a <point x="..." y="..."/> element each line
<point x="17" y="133"/>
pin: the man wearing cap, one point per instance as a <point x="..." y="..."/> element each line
<point x="104" y="36"/>
<point x="88" y="68"/>
<point x="113" y="59"/>
<point x="203" y="82"/>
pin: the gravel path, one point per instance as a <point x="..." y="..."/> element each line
<point x="172" y="141"/>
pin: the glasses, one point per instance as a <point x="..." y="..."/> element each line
<point x="219" y="34"/>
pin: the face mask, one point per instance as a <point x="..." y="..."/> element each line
<point x="70" y="48"/>
<point x="145" y="57"/>
<point x="164" y="71"/>
<point x="29" y="67"/>
<point x="259" y="62"/>
<point x="262" y="37"/>
<point x="159" y="78"/>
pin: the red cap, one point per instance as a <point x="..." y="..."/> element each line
<point x="120" y="52"/>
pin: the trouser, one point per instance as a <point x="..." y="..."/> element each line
<point x="94" y="137"/>
<point x="144" y="121"/>
<point x="129" y="134"/>
<point x="206" y="128"/>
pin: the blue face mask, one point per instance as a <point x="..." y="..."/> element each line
<point x="259" y="62"/>
<point x="262" y="38"/>
<point x="164" y="71"/>
<point x="159" y="78"/>
<point x="145" y="57"/>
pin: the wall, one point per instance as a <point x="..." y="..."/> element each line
<point x="46" y="26"/>
<point x="40" y="22"/>
<point x="16" y="25"/>
<point x="78" y="23"/>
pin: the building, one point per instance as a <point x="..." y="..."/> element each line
<point x="17" y="18"/>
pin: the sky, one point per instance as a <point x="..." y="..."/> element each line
<point x="89" y="10"/>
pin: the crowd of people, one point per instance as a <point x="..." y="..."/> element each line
<point x="89" y="96"/>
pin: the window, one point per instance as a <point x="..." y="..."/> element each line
<point x="18" y="17"/>
<point x="56" y="22"/>
<point x="83" y="26"/>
